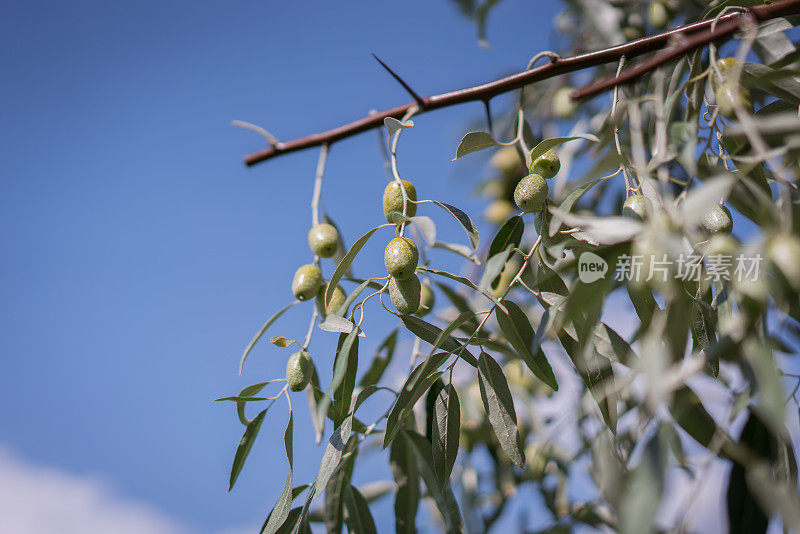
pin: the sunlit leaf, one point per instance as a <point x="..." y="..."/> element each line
<point x="499" y="406"/>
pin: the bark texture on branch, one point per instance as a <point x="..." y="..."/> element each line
<point x="687" y="38"/>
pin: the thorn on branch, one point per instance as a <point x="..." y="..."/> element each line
<point x="418" y="99"/>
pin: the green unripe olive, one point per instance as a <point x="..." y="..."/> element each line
<point x="726" y="64"/>
<point x="506" y="159"/>
<point x="636" y="207"/>
<point x="718" y="220"/>
<point x="721" y="245"/>
<point x="546" y="165"/>
<point x="393" y="199"/>
<point x="631" y="33"/>
<point x="323" y="239"/>
<point x="729" y="95"/>
<point x="405" y="294"/>
<point x="657" y="14"/>
<point x="401" y="258"/>
<point x="426" y="301"/>
<point x="337" y="299"/>
<point x="299" y="370"/>
<point x="519" y="375"/>
<point x="531" y="193"/>
<point x="499" y="211"/>
<point x="535" y="461"/>
<point x="563" y="105"/>
<point x="783" y="251"/>
<point x="307" y="281"/>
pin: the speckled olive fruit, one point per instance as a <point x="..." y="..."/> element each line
<point x="401" y="258"/>
<point x="426" y="301"/>
<point x="718" y="220"/>
<point x="505" y="159"/>
<point x="299" y="370"/>
<point x="307" y="281"/>
<point x="783" y="251"/>
<point x="393" y="199"/>
<point x="726" y="64"/>
<point x="729" y="95"/>
<point x="323" y="239"/>
<point x="563" y="105"/>
<point x="337" y="299"/>
<point x="499" y="211"/>
<point x="636" y="207"/>
<point x="657" y="15"/>
<point x="405" y="294"/>
<point x="531" y="193"/>
<point x="546" y="165"/>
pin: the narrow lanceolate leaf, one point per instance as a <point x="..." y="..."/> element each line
<point x="261" y="332"/>
<point x="344" y="265"/>
<point x="284" y="504"/>
<point x="333" y="453"/>
<point x="335" y="491"/>
<point x="348" y="352"/>
<point x="347" y="343"/>
<point x="465" y="222"/>
<point x="445" y="432"/>
<point x="429" y="333"/>
<point x="248" y="392"/>
<point x="499" y="406"/>
<point x="425" y="225"/>
<point x="245" y="444"/>
<point x="442" y="495"/>
<point x="462" y="280"/>
<point x="315" y="396"/>
<point x="509" y="235"/>
<point x="359" y="518"/>
<point x="517" y="329"/>
<point x="473" y="142"/>
<point x="553" y="142"/>
<point x="406" y="475"/>
<point x="461" y="250"/>
<point x="421" y="378"/>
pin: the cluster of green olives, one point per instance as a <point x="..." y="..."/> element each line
<point x="531" y="192"/>
<point x="308" y="283"/>
<point x="401" y="256"/>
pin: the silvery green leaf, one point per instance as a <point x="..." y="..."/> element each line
<point x="517" y="329"/>
<point x="284" y="504"/>
<point x="445" y="432"/>
<point x="334" y="323"/>
<point x="509" y="235"/>
<point x="344" y="265"/>
<point x="359" y="518"/>
<point x="499" y="406"/>
<point x="333" y="452"/>
<point x="425" y="225"/>
<point x="393" y="125"/>
<point x="461" y="250"/>
<point x="465" y="222"/>
<point x="245" y="444"/>
<point x="553" y="142"/>
<point x="601" y="230"/>
<point x="473" y="142"/>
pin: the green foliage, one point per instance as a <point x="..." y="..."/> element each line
<point x="690" y="169"/>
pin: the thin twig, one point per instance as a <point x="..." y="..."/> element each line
<point x="694" y="36"/>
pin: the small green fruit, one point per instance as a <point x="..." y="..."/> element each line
<point x="531" y="193"/>
<point x="636" y="207"/>
<point x="499" y="211"/>
<point x="783" y="251"/>
<point x="505" y="159"/>
<point x="563" y="105"/>
<point x="337" y="299"/>
<point x="726" y="64"/>
<point x="426" y="301"/>
<point x="729" y="95"/>
<point x="721" y="245"/>
<point x="547" y="165"/>
<point x="323" y="239"/>
<point x="299" y="370"/>
<point x="401" y="258"/>
<point x="718" y="220"/>
<point x="405" y="294"/>
<point x="631" y="33"/>
<point x="393" y="200"/>
<point x="657" y="15"/>
<point x="307" y="281"/>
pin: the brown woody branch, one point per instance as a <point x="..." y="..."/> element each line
<point x="687" y="38"/>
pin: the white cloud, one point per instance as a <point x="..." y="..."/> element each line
<point x="35" y="499"/>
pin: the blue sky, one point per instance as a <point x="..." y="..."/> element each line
<point x="141" y="255"/>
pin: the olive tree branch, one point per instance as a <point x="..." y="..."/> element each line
<point x="689" y="37"/>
